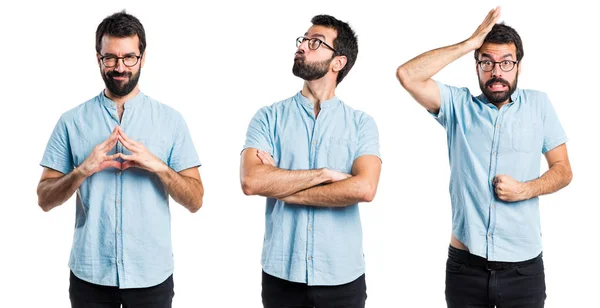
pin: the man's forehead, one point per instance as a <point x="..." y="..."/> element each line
<point x="498" y="50"/>
<point x="321" y="32"/>
<point x="129" y="42"/>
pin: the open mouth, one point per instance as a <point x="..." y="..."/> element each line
<point x="497" y="86"/>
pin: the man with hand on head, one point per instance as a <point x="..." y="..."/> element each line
<point x="315" y="159"/>
<point x="495" y="142"/>
<point x="125" y="154"/>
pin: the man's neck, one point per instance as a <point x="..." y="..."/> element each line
<point x="121" y="100"/>
<point x="318" y="91"/>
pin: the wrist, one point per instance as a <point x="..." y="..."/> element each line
<point x="469" y="45"/>
<point x="526" y="190"/>
<point x="325" y="175"/>
<point x="81" y="173"/>
<point x="162" y="168"/>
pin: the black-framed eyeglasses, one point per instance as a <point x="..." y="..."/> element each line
<point x="313" y="43"/>
<point x="505" y="65"/>
<point x="111" y="61"/>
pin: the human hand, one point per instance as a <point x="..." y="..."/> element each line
<point x="265" y="158"/>
<point x="140" y="156"/>
<point x="509" y="189"/>
<point x="335" y="176"/>
<point x="98" y="160"/>
<point x="477" y="38"/>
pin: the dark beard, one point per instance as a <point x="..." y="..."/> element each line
<point x="310" y="71"/>
<point x="498" y="97"/>
<point x="117" y="88"/>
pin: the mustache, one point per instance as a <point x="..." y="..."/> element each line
<point x="497" y="80"/>
<point x="113" y="74"/>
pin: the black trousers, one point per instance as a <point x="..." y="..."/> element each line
<point x="279" y="293"/>
<point x="88" y="295"/>
<point x="472" y="281"/>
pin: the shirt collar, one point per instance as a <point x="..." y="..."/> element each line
<point x="306" y="103"/>
<point x="132" y="103"/>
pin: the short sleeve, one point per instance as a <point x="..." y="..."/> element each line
<point x="368" y="137"/>
<point x="183" y="154"/>
<point x="554" y="135"/>
<point x="449" y="96"/>
<point x="258" y="135"/>
<point x="57" y="155"/>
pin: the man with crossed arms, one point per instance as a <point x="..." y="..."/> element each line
<point x="315" y="159"/>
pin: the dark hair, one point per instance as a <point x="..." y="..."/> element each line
<point x="121" y="24"/>
<point x="503" y="34"/>
<point x="345" y="43"/>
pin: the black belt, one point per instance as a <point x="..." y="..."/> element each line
<point x="466" y="258"/>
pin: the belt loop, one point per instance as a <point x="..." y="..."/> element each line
<point x="492" y="288"/>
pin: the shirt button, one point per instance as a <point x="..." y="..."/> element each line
<point x="497" y="125"/>
<point x="118" y="201"/>
<point x="493" y="206"/>
<point x="495" y="153"/>
<point x="309" y="258"/>
<point x="314" y="142"/>
<point x="490" y="234"/>
<point x="118" y="231"/>
<point x="309" y="228"/>
<point x="118" y="261"/>
<point x="118" y="172"/>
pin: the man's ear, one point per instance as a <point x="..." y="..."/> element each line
<point x="339" y="62"/>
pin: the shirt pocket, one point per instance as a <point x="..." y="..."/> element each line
<point x="158" y="148"/>
<point x="524" y="136"/>
<point x="340" y="154"/>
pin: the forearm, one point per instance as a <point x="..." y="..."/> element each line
<point x="424" y="66"/>
<point x="557" y="177"/>
<point x="339" y="194"/>
<point x="184" y="190"/>
<point x="53" y="192"/>
<point x="273" y="182"/>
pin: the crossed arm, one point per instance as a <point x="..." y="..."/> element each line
<point x="319" y="187"/>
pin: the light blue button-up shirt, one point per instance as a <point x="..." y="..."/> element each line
<point x="306" y="244"/>
<point x="484" y="142"/>
<point x="123" y="224"/>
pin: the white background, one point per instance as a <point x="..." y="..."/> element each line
<point x="218" y="63"/>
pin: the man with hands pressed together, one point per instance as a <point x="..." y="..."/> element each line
<point x="494" y="145"/>
<point x="124" y="154"/>
<point x="315" y="159"/>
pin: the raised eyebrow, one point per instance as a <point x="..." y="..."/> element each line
<point x="485" y="55"/>
<point x="317" y="35"/>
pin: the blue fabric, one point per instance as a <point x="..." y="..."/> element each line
<point x="123" y="224"/>
<point x="484" y="142"/>
<point x="306" y="244"/>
